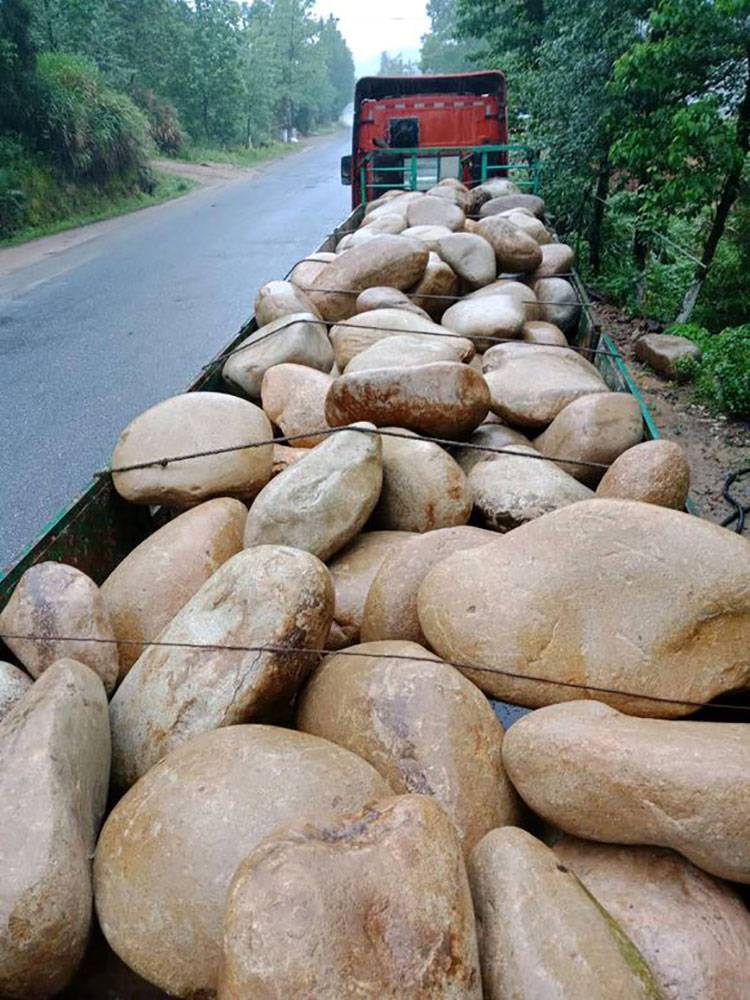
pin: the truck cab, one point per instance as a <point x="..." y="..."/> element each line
<point x="412" y="132"/>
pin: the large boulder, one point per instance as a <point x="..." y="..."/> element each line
<point x="194" y="422"/>
<point x="692" y="929"/>
<point x="531" y="384"/>
<point x="515" y="251"/>
<point x="313" y="266"/>
<point x="541" y="934"/>
<point x="428" y="236"/>
<point x="652" y="472"/>
<point x="298" y="339"/>
<point x="515" y="200"/>
<point x="278" y="299"/>
<point x="470" y="256"/>
<point x="353" y="571"/>
<point x="438" y="287"/>
<point x="530" y="224"/>
<point x="484" y="320"/>
<point x="294" y="398"/>
<point x="390" y="610"/>
<point x="52" y="601"/>
<point x="54" y="775"/>
<point x="541" y="332"/>
<point x="147" y="589"/>
<point x="488" y="436"/>
<point x="411" y="351"/>
<point x="510" y="490"/>
<point x="423" y="487"/>
<point x="377" y="904"/>
<point x="170" y="847"/>
<point x="440" y="400"/>
<point x="410" y="719"/>
<point x="188" y="684"/>
<point x="605" y="776"/>
<point x="431" y="211"/>
<point x="594" y="429"/>
<point x="659" y="607"/>
<point x="14" y="684"/>
<point x="559" y="303"/>
<point x="662" y="351"/>
<point x="523" y="296"/>
<point x="366" y="329"/>
<point x="322" y="501"/>
<point x="386" y="298"/>
<point x="385" y="260"/>
<point x="558" y="260"/>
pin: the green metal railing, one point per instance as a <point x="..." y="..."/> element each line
<point x="422" y="168"/>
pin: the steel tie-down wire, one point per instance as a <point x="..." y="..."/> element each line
<point x="740" y="510"/>
<point x="327" y="431"/>
<point x="348" y="651"/>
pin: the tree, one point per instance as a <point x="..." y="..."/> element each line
<point x="687" y="87"/>
<point x="442" y="50"/>
<point x="339" y="64"/>
<point x="17" y="64"/>
<point x="396" y="65"/>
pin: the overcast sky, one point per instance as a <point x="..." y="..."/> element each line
<point x="371" y="26"/>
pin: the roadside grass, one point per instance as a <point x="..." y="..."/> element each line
<point x="90" y="204"/>
<point x="240" y="156"/>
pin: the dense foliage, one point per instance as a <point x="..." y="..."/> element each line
<point x="90" y="87"/>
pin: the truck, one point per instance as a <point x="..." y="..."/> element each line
<point x="409" y="133"/>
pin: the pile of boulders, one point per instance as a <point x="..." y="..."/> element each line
<point x="284" y="694"/>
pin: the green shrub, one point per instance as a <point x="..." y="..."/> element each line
<point x="13" y="200"/>
<point x="722" y="376"/>
<point x="163" y="122"/>
<point x="93" y="132"/>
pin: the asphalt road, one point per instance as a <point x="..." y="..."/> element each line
<point x="92" y="335"/>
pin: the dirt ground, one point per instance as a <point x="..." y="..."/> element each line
<point x="716" y="445"/>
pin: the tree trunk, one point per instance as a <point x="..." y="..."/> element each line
<point x="729" y="192"/>
<point x="600" y="204"/>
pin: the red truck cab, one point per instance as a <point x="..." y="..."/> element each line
<point x="413" y="131"/>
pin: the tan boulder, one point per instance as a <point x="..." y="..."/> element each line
<point x="423" y="487"/>
<point x="390" y="610"/>
<point x="515" y="251"/>
<point x="540" y="332"/>
<point x="299" y="339"/>
<point x="270" y="595"/>
<point x="460" y="196"/>
<point x="631" y="617"/>
<point x="386" y="298"/>
<point x="147" y="589"/>
<point x="185" y="425"/>
<point x="170" y="847"/>
<point x="531" y="384"/>
<point x="294" y="398"/>
<point x="284" y="457"/>
<point x="510" y="490"/>
<point x="441" y="400"/>
<point x="605" y="776"/>
<point x="389" y="222"/>
<point x="662" y="352"/>
<point x="52" y="601"/>
<point x="14" y="683"/>
<point x="313" y="266"/>
<point x="386" y="260"/>
<point x="529" y="223"/>
<point x="559" y="303"/>
<point x="379" y="906"/>
<point x="594" y="428"/>
<point x="558" y="259"/>
<point x="278" y="299"/>
<point x="495" y="187"/>
<point x="429" y="236"/>
<point x="321" y="502"/>
<point x="410" y="719"/>
<point x="431" y="211"/>
<point x="489" y="436"/>
<point x="504" y="203"/>
<point x="692" y="929"/>
<point x="353" y="571"/>
<point x="541" y="935"/>
<point x="54" y="774"/>
<point x="438" y="287"/>
<point x="521" y="294"/>
<point x="470" y="256"/>
<point x="411" y="351"/>
<point x="486" y="319"/>
<point x="360" y="332"/>
<point x="652" y="472"/>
